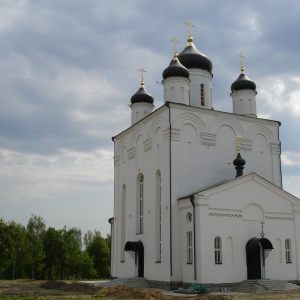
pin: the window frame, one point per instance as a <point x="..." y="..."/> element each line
<point x="288" y="251"/>
<point x="189" y="246"/>
<point x="218" y="250"/>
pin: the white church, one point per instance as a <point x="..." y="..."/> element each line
<point x="198" y="192"/>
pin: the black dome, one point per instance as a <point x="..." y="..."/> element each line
<point x="175" y="69"/>
<point x="192" y="58"/>
<point x="243" y="83"/>
<point x="142" y="96"/>
<point x="239" y="161"/>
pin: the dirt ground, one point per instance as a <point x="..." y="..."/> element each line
<point x="75" y="290"/>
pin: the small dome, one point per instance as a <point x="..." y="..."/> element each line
<point x="243" y="82"/>
<point x="142" y="96"/>
<point x="239" y="161"/>
<point x="192" y="58"/>
<point x="175" y="69"/>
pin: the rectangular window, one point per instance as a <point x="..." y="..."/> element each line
<point x="202" y="94"/>
<point x="288" y="253"/>
<point x="141" y="204"/>
<point x="218" y="250"/>
<point x="189" y="242"/>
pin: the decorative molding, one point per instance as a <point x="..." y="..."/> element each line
<point x="208" y="139"/>
<point x="275" y="148"/>
<point x="280" y="218"/>
<point x="246" y="144"/>
<point x="131" y="153"/>
<point x="225" y="215"/>
<point x="116" y="160"/>
<point x="166" y="133"/>
<point x="175" y="134"/>
<point x="148" y="145"/>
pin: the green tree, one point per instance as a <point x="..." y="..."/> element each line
<point x="54" y="251"/>
<point x="98" y="249"/>
<point x="36" y="228"/>
<point x="18" y="250"/>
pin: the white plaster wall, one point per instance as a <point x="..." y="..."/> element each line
<point x="176" y="89"/>
<point x="140" y="111"/>
<point x="203" y="146"/>
<point x="244" y="102"/>
<point x="198" y="76"/>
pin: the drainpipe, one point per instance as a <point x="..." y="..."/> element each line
<point x="279" y="124"/>
<point x="170" y="188"/>
<point x="192" y="199"/>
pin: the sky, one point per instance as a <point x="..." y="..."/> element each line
<point x="69" y="68"/>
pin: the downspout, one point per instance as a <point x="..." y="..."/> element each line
<point x="170" y="188"/>
<point x="192" y="199"/>
<point x="111" y="221"/>
<point x="279" y="124"/>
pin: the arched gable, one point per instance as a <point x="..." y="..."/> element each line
<point x="225" y="120"/>
<point x="141" y="130"/>
<point x="124" y="142"/>
<point x="190" y="118"/>
<point x="158" y="122"/>
<point x="260" y="129"/>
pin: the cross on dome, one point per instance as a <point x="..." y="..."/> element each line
<point x="142" y="70"/>
<point x="175" y="41"/>
<point x="241" y="56"/>
<point x="190" y="25"/>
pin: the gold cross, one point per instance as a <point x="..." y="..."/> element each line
<point x="190" y="25"/>
<point x="241" y="56"/>
<point x="238" y="143"/>
<point x="142" y="70"/>
<point x="175" y="41"/>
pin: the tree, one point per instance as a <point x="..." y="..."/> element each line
<point x="98" y="249"/>
<point x="36" y="228"/>
<point x="54" y="251"/>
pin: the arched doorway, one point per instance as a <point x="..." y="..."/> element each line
<point x="256" y="255"/>
<point x="136" y="251"/>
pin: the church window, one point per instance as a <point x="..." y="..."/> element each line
<point x="140" y="205"/>
<point x="158" y="216"/>
<point x="123" y="205"/>
<point x="288" y="253"/>
<point x="189" y="217"/>
<point x="202" y="94"/>
<point x="218" y="250"/>
<point x="189" y="241"/>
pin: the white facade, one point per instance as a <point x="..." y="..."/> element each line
<point x="176" y="192"/>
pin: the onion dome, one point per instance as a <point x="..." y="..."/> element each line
<point x="239" y="163"/>
<point x="192" y="58"/>
<point x="175" y="69"/>
<point x="142" y="96"/>
<point x="243" y="82"/>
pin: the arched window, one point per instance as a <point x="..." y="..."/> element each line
<point x="288" y="251"/>
<point x="218" y="250"/>
<point x="202" y="99"/>
<point x="158" y="216"/>
<point x="140" y="204"/>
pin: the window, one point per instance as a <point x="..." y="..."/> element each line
<point x="202" y="94"/>
<point x="140" y="207"/>
<point x="218" y="250"/>
<point x="158" y="216"/>
<point x="189" y="242"/>
<point x="288" y="253"/>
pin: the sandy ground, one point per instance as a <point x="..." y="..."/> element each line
<point x="54" y="289"/>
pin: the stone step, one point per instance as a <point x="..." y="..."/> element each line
<point x="254" y="286"/>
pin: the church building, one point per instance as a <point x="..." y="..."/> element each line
<point x="198" y="192"/>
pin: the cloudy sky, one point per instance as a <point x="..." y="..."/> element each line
<point x="69" y="67"/>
